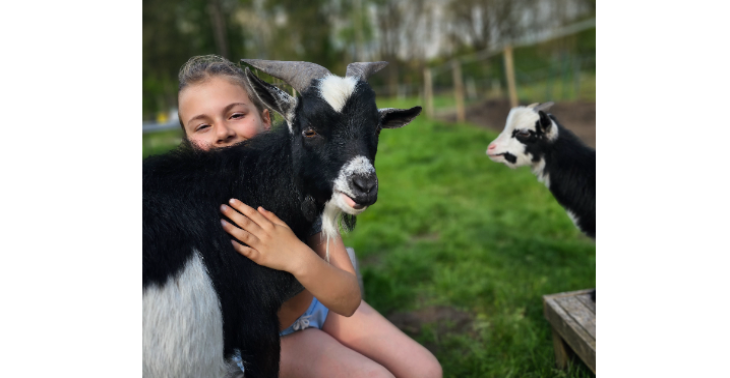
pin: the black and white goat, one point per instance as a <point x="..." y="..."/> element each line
<point x="204" y="304"/>
<point x="557" y="157"/>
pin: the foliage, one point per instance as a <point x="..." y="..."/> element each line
<point x="408" y="34"/>
<point x="172" y="32"/>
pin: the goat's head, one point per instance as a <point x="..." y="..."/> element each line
<point x="334" y="126"/>
<point x="525" y="138"/>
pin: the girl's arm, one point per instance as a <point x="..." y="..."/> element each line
<point x="272" y="243"/>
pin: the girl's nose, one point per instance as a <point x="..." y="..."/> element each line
<point x="224" y="134"/>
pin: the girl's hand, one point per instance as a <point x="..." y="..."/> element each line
<point x="271" y="242"/>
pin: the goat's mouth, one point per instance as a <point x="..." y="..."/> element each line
<point x="348" y="204"/>
<point x="351" y="202"/>
<point x="504" y="157"/>
<point x="496" y="156"/>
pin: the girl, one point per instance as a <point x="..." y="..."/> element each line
<point x="326" y="330"/>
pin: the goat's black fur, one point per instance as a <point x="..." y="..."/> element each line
<point x="182" y="194"/>
<point x="572" y="169"/>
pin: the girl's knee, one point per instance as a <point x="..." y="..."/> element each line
<point x="429" y="368"/>
<point x="434" y="370"/>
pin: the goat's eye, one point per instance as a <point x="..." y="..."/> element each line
<point x="523" y="133"/>
<point x="309" y="133"/>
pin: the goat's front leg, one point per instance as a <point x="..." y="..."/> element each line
<point x="255" y="335"/>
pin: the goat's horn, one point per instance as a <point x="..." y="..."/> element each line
<point x="297" y="74"/>
<point x="363" y="70"/>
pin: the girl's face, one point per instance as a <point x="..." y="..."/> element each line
<point x="218" y="113"/>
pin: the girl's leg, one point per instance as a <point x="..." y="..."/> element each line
<point x="313" y="353"/>
<point x="373" y="336"/>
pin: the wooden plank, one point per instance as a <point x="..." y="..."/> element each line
<point x="569" y="293"/>
<point x="586" y="299"/>
<point x="580" y="313"/>
<point x="570" y="331"/>
<point x="562" y="351"/>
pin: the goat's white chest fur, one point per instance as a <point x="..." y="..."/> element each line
<point x="182" y="324"/>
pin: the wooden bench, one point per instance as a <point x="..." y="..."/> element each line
<point x="572" y="317"/>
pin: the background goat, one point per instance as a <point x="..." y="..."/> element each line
<point x="557" y="157"/>
<point x="203" y="303"/>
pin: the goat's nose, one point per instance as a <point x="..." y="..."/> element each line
<point x="491" y="146"/>
<point x="364" y="183"/>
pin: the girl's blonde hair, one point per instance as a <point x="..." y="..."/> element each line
<point x="202" y="67"/>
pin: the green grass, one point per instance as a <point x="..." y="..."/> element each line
<point x="452" y="228"/>
<point x="559" y="89"/>
<point x="160" y="142"/>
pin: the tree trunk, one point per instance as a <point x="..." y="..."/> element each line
<point x="219" y="27"/>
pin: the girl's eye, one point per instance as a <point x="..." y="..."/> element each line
<point x="309" y="133"/>
<point x="237" y="116"/>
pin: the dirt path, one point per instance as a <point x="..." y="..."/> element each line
<point x="578" y="116"/>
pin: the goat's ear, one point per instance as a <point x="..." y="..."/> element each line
<point x="545" y="121"/>
<point x="273" y="97"/>
<point x="395" y="118"/>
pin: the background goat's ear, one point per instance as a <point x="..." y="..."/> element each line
<point x="545" y="121"/>
<point x="395" y="118"/>
<point x="273" y="97"/>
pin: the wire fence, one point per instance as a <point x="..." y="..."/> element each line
<point x="517" y="70"/>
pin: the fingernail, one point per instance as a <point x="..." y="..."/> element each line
<point x="262" y="208"/>
<point x="231" y="201"/>
<point x="224" y="207"/>
<point x="224" y="223"/>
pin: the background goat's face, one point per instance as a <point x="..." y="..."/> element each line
<point x="526" y="137"/>
<point x="334" y="127"/>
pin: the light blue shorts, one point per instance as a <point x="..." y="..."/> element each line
<point x="313" y="317"/>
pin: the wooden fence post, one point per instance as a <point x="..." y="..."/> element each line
<point x="510" y="72"/>
<point x="458" y="91"/>
<point x="576" y="77"/>
<point x="428" y="91"/>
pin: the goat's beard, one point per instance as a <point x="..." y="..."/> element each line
<point x="332" y="219"/>
<point x="348" y="222"/>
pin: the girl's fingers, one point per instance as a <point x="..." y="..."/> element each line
<point x="272" y="217"/>
<point x="241" y="235"/>
<point x="241" y="220"/>
<point x="251" y="213"/>
<point x="246" y="251"/>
